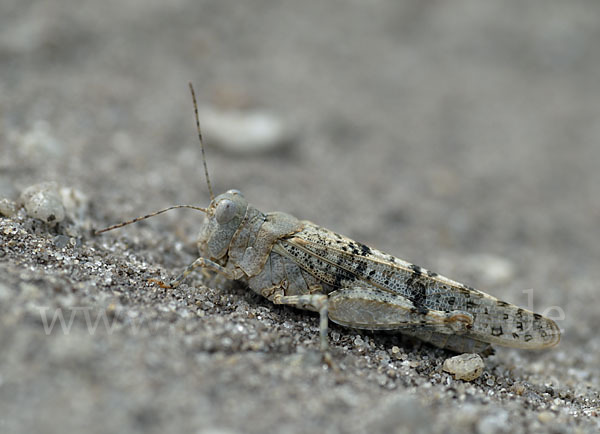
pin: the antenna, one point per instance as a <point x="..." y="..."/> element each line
<point x="212" y="196"/>
<point x="120" y="225"/>
<point x="197" y="208"/>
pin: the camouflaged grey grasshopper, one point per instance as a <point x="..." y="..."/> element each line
<point x="298" y="263"/>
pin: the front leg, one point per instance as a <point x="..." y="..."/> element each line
<point x="207" y="264"/>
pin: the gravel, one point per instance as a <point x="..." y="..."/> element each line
<point x="460" y="136"/>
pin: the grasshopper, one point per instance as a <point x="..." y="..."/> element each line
<point x="298" y="263"/>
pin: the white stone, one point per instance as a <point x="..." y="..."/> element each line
<point x="43" y="201"/>
<point x="244" y="132"/>
<point x="466" y="366"/>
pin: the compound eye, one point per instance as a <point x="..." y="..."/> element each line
<point x="234" y="191"/>
<point x="225" y="211"/>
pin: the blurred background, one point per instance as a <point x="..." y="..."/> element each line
<point x="462" y="136"/>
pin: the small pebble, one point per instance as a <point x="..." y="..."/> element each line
<point x="8" y="208"/>
<point x="43" y="201"/>
<point x="244" y="132"/>
<point x="61" y="241"/>
<point x="546" y="417"/>
<point x="74" y="201"/>
<point x="518" y="388"/>
<point x="466" y="366"/>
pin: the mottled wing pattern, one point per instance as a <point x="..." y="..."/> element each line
<point x="339" y="262"/>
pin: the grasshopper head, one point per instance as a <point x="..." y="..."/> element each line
<point x="223" y="218"/>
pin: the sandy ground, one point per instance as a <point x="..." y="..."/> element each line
<point x="462" y="136"/>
